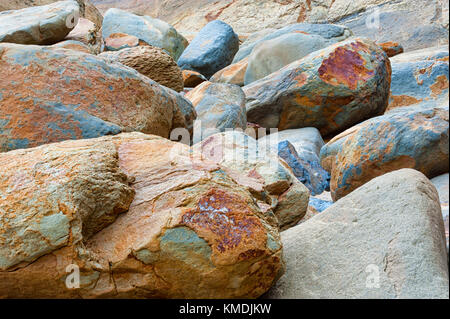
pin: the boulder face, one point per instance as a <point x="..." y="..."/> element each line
<point x="152" y="31"/>
<point x="152" y="62"/>
<point x="408" y="138"/>
<point x="219" y="107"/>
<point x="385" y="240"/>
<point x="191" y="78"/>
<point x="267" y="176"/>
<point x="186" y="229"/>
<point x="39" y="25"/>
<point x="331" y="89"/>
<point x="232" y="74"/>
<point x="441" y="183"/>
<point x="74" y="95"/>
<point x="272" y="55"/>
<point x="212" y="49"/>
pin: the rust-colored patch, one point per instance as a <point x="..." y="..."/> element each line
<point x="402" y="100"/>
<point x="391" y="48"/>
<point x="439" y="85"/>
<point x="213" y="16"/>
<point x="344" y="66"/>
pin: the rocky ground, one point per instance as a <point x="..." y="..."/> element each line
<point x="224" y="149"/>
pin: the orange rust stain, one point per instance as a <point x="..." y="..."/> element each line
<point x="402" y="100"/>
<point x="345" y="67"/>
<point x="439" y="85"/>
<point x="391" y="48"/>
<point x="301" y="79"/>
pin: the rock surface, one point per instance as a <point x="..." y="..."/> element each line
<point x="232" y="74"/>
<point x="49" y="95"/>
<point x="152" y="62"/>
<point x="152" y="31"/>
<point x="409" y="138"/>
<point x="219" y="107"/>
<point x="191" y="78"/>
<point x="39" y="25"/>
<point x="267" y="176"/>
<point x="385" y="240"/>
<point x="186" y="229"/>
<point x="212" y="49"/>
<point x="331" y="89"/>
<point x="441" y="183"/>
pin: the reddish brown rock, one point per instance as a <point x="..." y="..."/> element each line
<point x="119" y="41"/>
<point x="232" y="74"/>
<point x="191" y="78"/>
<point x="391" y="48"/>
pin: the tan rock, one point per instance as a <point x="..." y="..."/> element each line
<point x="232" y="74"/>
<point x="192" y="78"/>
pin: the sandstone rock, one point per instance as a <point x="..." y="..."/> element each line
<point x="186" y="229"/>
<point x="424" y="78"/>
<point x="384" y="240"/>
<point x="72" y="45"/>
<point x="48" y="95"/>
<point x="211" y="50"/>
<point x="152" y="62"/>
<point x="332" y="33"/>
<point x="267" y="176"/>
<point x="330" y="90"/>
<point x="441" y="183"/>
<point x="271" y="55"/>
<point x="119" y="41"/>
<point x="391" y="48"/>
<point x="219" y="107"/>
<point x="39" y="25"/>
<point x="152" y="31"/>
<point x="409" y="138"/>
<point x="191" y="78"/>
<point x="232" y="74"/>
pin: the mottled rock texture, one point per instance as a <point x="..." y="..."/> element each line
<point x="331" y="89"/>
<point x="39" y="25"/>
<point x="232" y="74"/>
<point x="391" y="48"/>
<point x="191" y="78"/>
<point x="267" y="176"/>
<point x="48" y="95"/>
<point x="212" y="49"/>
<point x="152" y="31"/>
<point x="152" y="62"/>
<point x="72" y="45"/>
<point x="139" y="220"/>
<point x="385" y="240"/>
<point x="219" y="107"/>
<point x="408" y="138"/>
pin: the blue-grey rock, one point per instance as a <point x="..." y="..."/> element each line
<point x="154" y="32"/>
<point x="319" y="204"/>
<point x="211" y="50"/>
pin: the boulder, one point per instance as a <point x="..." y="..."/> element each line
<point x="135" y="221"/>
<point x="272" y="55"/>
<point x="211" y="50"/>
<point x="409" y="138"/>
<point x="39" y="25"/>
<point x="119" y="41"/>
<point x="384" y="240"/>
<point x="441" y="183"/>
<point x="331" y="89"/>
<point x="391" y="48"/>
<point x="152" y="31"/>
<point x="267" y="176"/>
<point x="191" y="78"/>
<point x="420" y="78"/>
<point x="219" y="107"/>
<point x="437" y="53"/>
<point x="152" y="62"/>
<point x="72" y="45"/>
<point x="330" y="32"/>
<point x="232" y="74"/>
<point x="49" y="95"/>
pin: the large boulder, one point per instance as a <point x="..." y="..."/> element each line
<point x="411" y="137"/>
<point x="152" y="31"/>
<point x="219" y="107"/>
<point x="385" y="240"/>
<point x="48" y="95"/>
<point x="419" y="77"/>
<point x="267" y="176"/>
<point x="232" y="74"/>
<point x="271" y="55"/>
<point x="331" y="89"/>
<point x="441" y="183"/>
<point x="212" y="49"/>
<point x="152" y="62"/>
<point x="135" y="219"/>
<point x="330" y="32"/>
<point x="39" y="25"/>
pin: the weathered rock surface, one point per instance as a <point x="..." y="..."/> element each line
<point x="219" y="107"/>
<point x="137" y="221"/>
<point x="408" y="138"/>
<point x="232" y="74"/>
<point x="119" y="41"/>
<point x="152" y="62"/>
<point x="72" y="45"/>
<point x="212" y="49"/>
<point x="152" y="31"/>
<point x="391" y="48"/>
<point x="331" y="89"/>
<point x="267" y="176"/>
<point x="48" y="95"/>
<point x="384" y="240"/>
<point x="441" y="183"/>
<point x="191" y="78"/>
<point x="39" y="25"/>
